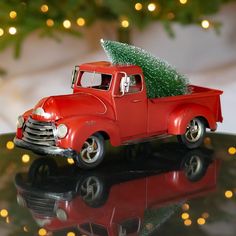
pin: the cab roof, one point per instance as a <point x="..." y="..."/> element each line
<point x="107" y="67"/>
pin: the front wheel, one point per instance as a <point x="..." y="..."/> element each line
<point x="194" y="134"/>
<point x="92" y="152"/>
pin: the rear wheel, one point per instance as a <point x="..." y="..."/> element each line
<point x="92" y="152"/>
<point x="194" y="135"/>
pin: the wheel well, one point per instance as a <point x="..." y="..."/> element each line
<point x="204" y="120"/>
<point x="104" y="135"/>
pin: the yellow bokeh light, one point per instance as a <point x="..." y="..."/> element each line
<point x="13" y="14"/>
<point x="170" y="15"/>
<point x="70" y="234"/>
<point x="185" y="216"/>
<point x="7" y="220"/>
<point x="152" y="6"/>
<point x="67" y="24"/>
<point x="231" y="150"/>
<point x="183" y="1"/>
<point x="4" y="213"/>
<point x="205" y="215"/>
<point x="138" y="6"/>
<point x="70" y="161"/>
<point x="44" y="8"/>
<point x="25" y="229"/>
<point x="12" y="30"/>
<point x="1" y="32"/>
<point x="42" y="232"/>
<point x="205" y="24"/>
<point x="229" y="194"/>
<point x="50" y="22"/>
<point x="201" y="221"/>
<point x="207" y="141"/>
<point x="125" y="23"/>
<point x="25" y="158"/>
<point x="80" y="21"/>
<point x="187" y="222"/>
<point x="10" y="145"/>
<point x="185" y="207"/>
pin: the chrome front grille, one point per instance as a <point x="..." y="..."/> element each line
<point x="39" y="133"/>
<point x="40" y="205"/>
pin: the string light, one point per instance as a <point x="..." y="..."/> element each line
<point x="170" y="15"/>
<point x="44" y="8"/>
<point x="80" y="21"/>
<point x="25" y="158"/>
<point x="152" y="6"/>
<point x="185" y="206"/>
<point x="67" y="24"/>
<point x="187" y="222"/>
<point x="138" y="6"/>
<point x="70" y="234"/>
<point x="207" y="141"/>
<point x="205" y="24"/>
<point x="3" y="213"/>
<point x="205" y="215"/>
<point x="50" y="22"/>
<point x="13" y="14"/>
<point x="70" y="161"/>
<point x="183" y="1"/>
<point x="232" y="150"/>
<point x="10" y="145"/>
<point x="185" y="216"/>
<point x="201" y="221"/>
<point x="12" y="30"/>
<point x="1" y="32"/>
<point x="228" y="194"/>
<point x="42" y="232"/>
<point x="125" y="23"/>
<point x="25" y="229"/>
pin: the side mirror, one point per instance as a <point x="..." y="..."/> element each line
<point x="74" y="76"/>
<point x="124" y="84"/>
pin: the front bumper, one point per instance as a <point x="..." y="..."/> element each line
<point x="49" y="150"/>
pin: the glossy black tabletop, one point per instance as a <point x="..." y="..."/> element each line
<point x="156" y="188"/>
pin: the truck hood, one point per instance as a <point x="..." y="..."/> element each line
<point x="57" y="107"/>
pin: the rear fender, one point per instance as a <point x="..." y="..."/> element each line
<point x="181" y="116"/>
<point x="80" y="129"/>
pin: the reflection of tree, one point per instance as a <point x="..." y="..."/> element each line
<point x="10" y="163"/>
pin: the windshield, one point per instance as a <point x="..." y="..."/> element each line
<point x="94" y="80"/>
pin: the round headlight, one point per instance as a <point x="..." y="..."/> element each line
<point x="20" y="122"/>
<point x="61" y="214"/>
<point x="62" y="131"/>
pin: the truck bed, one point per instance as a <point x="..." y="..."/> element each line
<point x="159" y="109"/>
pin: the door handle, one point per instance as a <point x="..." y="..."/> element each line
<point x="136" y="100"/>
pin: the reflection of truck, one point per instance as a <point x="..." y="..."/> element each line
<point x="110" y="102"/>
<point x="114" y="199"/>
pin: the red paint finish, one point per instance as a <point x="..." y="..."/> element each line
<point x="129" y="200"/>
<point x="123" y="118"/>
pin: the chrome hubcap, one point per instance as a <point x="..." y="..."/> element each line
<point x="192" y="166"/>
<point x="91" y="150"/>
<point x="194" y="130"/>
<point x="90" y="189"/>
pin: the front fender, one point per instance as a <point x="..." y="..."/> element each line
<point x="181" y="116"/>
<point x="80" y="128"/>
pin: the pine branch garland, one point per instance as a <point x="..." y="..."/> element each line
<point x="161" y="78"/>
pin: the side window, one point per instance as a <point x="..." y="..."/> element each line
<point x="135" y="84"/>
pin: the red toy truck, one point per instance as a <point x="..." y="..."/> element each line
<point x="110" y="102"/>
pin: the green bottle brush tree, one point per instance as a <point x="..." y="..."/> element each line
<point x="161" y="79"/>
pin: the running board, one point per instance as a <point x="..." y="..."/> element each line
<point x="148" y="139"/>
